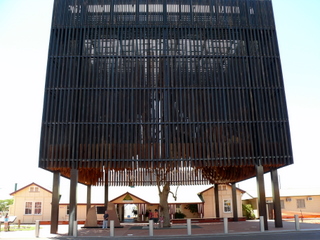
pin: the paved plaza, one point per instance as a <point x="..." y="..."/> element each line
<point x="198" y="231"/>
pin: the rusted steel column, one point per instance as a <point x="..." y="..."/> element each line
<point x="234" y="202"/>
<point x="276" y="199"/>
<point x="73" y="200"/>
<point x="261" y="195"/>
<point x="88" y="197"/>
<point x="106" y="190"/>
<point x="55" y="202"/>
<point x="216" y="199"/>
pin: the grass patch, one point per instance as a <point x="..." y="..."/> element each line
<point x="21" y="228"/>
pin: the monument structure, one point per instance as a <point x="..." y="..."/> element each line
<point x="190" y="91"/>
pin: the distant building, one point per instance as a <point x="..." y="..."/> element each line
<point x="226" y="207"/>
<point x="302" y="202"/>
<point x="33" y="202"/>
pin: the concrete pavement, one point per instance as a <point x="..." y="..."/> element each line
<point x="198" y="231"/>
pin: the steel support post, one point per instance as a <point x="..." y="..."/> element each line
<point x="261" y="195"/>
<point x="73" y="200"/>
<point x="106" y="190"/>
<point x="88" y="197"/>
<point x="234" y="202"/>
<point x="216" y="199"/>
<point x="276" y="199"/>
<point x="55" y="202"/>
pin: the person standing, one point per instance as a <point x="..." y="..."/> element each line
<point x="147" y="215"/>
<point x="105" y="220"/>
<point x="6" y="223"/>
<point x="156" y="216"/>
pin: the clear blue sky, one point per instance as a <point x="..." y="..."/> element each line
<point x="24" y="39"/>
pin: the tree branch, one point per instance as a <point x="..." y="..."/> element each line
<point x="174" y="195"/>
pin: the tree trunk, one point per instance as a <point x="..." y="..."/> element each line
<point x="164" y="207"/>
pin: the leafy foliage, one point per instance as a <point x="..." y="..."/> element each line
<point x="248" y="211"/>
<point x="179" y="215"/>
<point x="193" y="208"/>
<point x="135" y="212"/>
<point x="4" y="204"/>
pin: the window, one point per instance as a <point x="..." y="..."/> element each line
<point x="28" y="208"/>
<point x="33" y="208"/>
<point x="37" y="208"/>
<point x="282" y="204"/>
<point x="100" y="209"/>
<point x="227" y="206"/>
<point x="222" y="187"/>
<point x="34" y="189"/>
<point x="301" y="203"/>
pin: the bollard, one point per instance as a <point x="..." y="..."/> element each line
<point x="75" y="229"/>
<point x="19" y="222"/>
<point x="37" y="228"/>
<point x="189" y="226"/>
<point x="150" y="227"/>
<point x="261" y="224"/>
<point x="225" y="225"/>
<point x="297" y="224"/>
<point x="111" y="228"/>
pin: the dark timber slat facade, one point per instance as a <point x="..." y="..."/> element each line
<point x="193" y="87"/>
